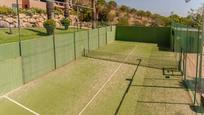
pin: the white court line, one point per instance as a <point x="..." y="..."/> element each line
<point x="104" y="84"/>
<point x="17" y="103"/>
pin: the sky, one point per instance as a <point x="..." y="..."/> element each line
<point x="163" y="7"/>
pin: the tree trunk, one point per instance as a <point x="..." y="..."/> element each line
<point x="50" y="9"/>
<point x="93" y="14"/>
<point x="66" y="8"/>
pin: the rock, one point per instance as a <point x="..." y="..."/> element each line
<point x="22" y="15"/>
<point x="45" y="17"/>
<point x="25" y="20"/>
<point x="35" y="16"/>
<point x="26" y="24"/>
<point x="27" y="17"/>
<point x="60" y="17"/>
<point x="4" y="24"/>
<point x="35" y="20"/>
<point x="9" y="20"/>
<point x="41" y="19"/>
<point x="31" y="20"/>
<point x="56" y="16"/>
<point x="58" y="24"/>
<point x="39" y="24"/>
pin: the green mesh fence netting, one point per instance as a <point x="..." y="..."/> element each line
<point x="38" y="57"/>
<point x="10" y="67"/>
<point x="64" y="44"/>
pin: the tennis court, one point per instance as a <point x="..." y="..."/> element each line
<point x="127" y="78"/>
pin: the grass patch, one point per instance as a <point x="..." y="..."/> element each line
<point x="27" y="33"/>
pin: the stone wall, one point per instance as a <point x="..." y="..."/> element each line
<point x="34" y="21"/>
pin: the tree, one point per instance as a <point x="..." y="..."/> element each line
<point x="123" y="21"/>
<point x="93" y="2"/>
<point x="124" y="8"/>
<point x="50" y="9"/>
<point x="112" y="5"/>
<point x="196" y="17"/>
<point x="66" y="8"/>
<point x="111" y="15"/>
<point x="175" y="18"/>
<point x="140" y="13"/>
<point x="100" y="6"/>
<point x="147" y="13"/>
<point x="133" y="11"/>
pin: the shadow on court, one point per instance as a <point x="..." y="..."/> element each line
<point x="128" y="87"/>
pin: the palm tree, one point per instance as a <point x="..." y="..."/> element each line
<point x="100" y="6"/>
<point x="93" y="14"/>
<point x="66" y="8"/>
<point x="50" y="9"/>
<point x="112" y="5"/>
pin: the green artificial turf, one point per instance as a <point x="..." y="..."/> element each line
<point x="128" y="90"/>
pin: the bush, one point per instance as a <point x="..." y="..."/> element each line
<point x="58" y="11"/>
<point x="6" y="11"/>
<point x="123" y="21"/>
<point x="65" y="22"/>
<point x="39" y="11"/>
<point x="32" y="11"/>
<point x="49" y="25"/>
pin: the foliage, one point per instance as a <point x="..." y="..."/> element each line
<point x="32" y="11"/>
<point x="85" y="15"/>
<point x="110" y="11"/>
<point x="58" y="11"/>
<point x="124" y="8"/>
<point x="112" y="5"/>
<point x="196" y="17"/>
<point x="123" y="21"/>
<point x="65" y="22"/>
<point x="6" y="11"/>
<point x="101" y="9"/>
<point x="49" y="25"/>
<point x="111" y="15"/>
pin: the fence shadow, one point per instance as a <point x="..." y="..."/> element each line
<point x="127" y="89"/>
<point x="190" y="84"/>
<point x="40" y="33"/>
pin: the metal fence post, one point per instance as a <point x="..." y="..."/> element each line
<point x="106" y="35"/>
<point x="98" y="38"/>
<point x="196" y="79"/>
<point x="88" y="40"/>
<point x="75" y="46"/>
<point x="19" y="42"/>
<point x="54" y="51"/>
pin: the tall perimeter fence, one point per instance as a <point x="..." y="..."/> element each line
<point x="42" y="55"/>
<point x="188" y="43"/>
<point x="21" y="62"/>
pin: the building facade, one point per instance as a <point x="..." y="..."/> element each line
<point x="24" y="3"/>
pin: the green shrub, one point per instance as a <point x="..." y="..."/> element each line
<point x="58" y="11"/>
<point x="49" y="25"/>
<point x="65" y="22"/>
<point x="6" y="10"/>
<point x="39" y="11"/>
<point x="32" y="11"/>
<point x="123" y="21"/>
